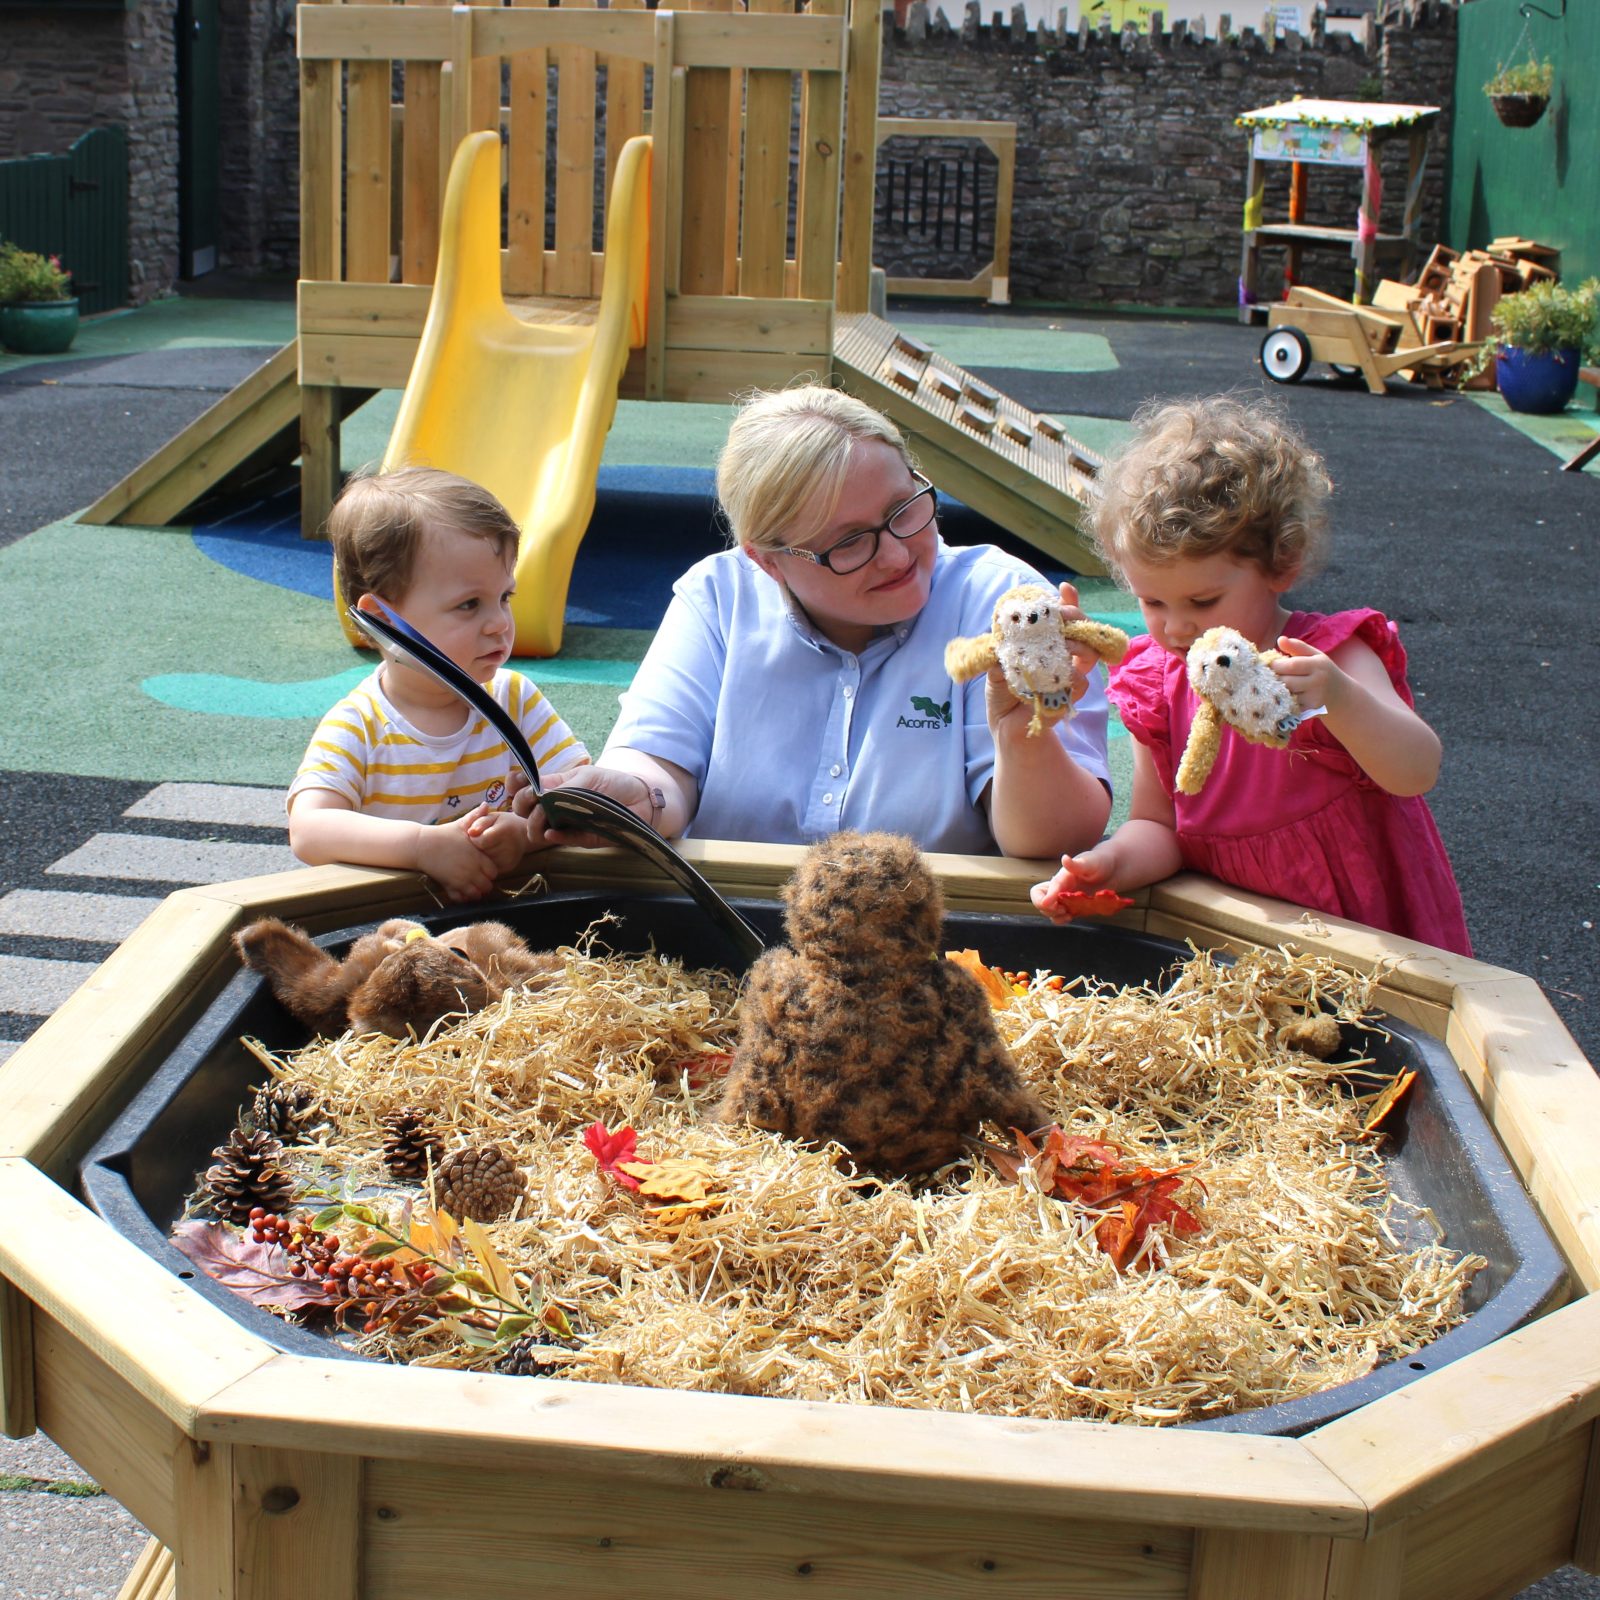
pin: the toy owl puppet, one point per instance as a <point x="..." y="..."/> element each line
<point x="853" y="1033"/>
<point x="1029" y="642"/>
<point x="1237" y="687"/>
<point x="396" y="978"/>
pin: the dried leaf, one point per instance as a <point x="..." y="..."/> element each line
<point x="1079" y="903"/>
<point x="704" y="1068"/>
<point x="258" y="1272"/>
<point x="490" y="1260"/>
<point x="998" y="990"/>
<point x="673" y="1179"/>
<point x="1387" y="1098"/>
<point x="610" y="1149"/>
<point x="555" y="1319"/>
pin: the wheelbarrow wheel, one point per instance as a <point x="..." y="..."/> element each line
<point x="1285" y="355"/>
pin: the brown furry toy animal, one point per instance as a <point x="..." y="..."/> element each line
<point x="852" y="1033"/>
<point x="1029" y="642"/>
<point x="395" y="979"/>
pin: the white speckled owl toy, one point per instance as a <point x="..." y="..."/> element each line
<point x="1237" y="686"/>
<point x="1029" y="641"/>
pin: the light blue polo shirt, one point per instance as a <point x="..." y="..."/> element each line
<point x="791" y="738"/>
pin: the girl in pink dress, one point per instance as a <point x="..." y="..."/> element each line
<point x="1209" y="516"/>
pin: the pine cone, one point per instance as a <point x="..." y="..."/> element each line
<point x="478" y="1182"/>
<point x="247" y="1174"/>
<point x="287" y="1111"/>
<point x="524" y="1357"/>
<point x="410" y="1143"/>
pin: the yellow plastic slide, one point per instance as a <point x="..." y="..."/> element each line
<point x="524" y="407"/>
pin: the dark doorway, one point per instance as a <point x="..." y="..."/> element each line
<point x="199" y="134"/>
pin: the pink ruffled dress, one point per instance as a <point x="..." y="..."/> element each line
<point x="1303" y="824"/>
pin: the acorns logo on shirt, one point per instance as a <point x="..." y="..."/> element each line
<point x="930" y="714"/>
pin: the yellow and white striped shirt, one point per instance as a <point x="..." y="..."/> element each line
<point x="366" y="751"/>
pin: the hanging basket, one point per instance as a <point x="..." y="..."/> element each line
<point x="1519" y="110"/>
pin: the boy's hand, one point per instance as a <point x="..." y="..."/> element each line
<point x="1314" y="680"/>
<point x="449" y="855"/>
<point x="1084" y="873"/>
<point x="501" y="836"/>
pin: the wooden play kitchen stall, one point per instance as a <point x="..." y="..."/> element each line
<point x="266" y="1475"/>
<point x="1330" y="134"/>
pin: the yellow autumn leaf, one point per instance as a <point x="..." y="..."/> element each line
<point x="993" y="985"/>
<point x="499" y="1274"/>
<point x="676" y="1178"/>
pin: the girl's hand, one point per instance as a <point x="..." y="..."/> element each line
<point x="1093" y="869"/>
<point x="1311" y="677"/>
<point x="450" y="856"/>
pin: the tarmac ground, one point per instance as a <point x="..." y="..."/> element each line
<point x="171" y="676"/>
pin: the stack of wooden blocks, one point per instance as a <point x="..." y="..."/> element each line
<point x="1456" y="292"/>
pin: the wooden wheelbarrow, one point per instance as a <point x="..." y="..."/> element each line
<point x="1375" y="342"/>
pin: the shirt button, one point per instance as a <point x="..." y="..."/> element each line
<point x="834" y="771"/>
<point x="848" y="691"/>
<point x="827" y="799"/>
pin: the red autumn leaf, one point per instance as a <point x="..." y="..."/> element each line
<point x="704" y="1068"/>
<point x="610" y="1148"/>
<point x="257" y="1272"/>
<point x="1078" y="903"/>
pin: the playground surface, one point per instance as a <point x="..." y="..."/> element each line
<point x="162" y="683"/>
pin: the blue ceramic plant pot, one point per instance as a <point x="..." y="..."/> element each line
<point x="39" y="327"/>
<point x="1537" y="384"/>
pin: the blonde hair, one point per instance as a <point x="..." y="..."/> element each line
<point x="788" y="449"/>
<point x="379" y="521"/>
<point x="1214" y="477"/>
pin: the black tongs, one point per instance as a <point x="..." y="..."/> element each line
<point x="582" y="810"/>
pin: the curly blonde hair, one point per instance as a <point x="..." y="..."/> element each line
<point x="787" y="449"/>
<point x="1215" y="476"/>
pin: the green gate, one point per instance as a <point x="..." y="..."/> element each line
<point x="74" y="206"/>
<point x="1538" y="182"/>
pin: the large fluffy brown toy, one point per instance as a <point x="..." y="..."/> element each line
<point x="392" y="980"/>
<point x="855" y="1033"/>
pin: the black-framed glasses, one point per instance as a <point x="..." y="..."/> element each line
<point x="855" y="550"/>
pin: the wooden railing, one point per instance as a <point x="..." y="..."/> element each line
<point x="733" y="177"/>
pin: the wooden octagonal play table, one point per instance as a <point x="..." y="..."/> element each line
<point x="267" y="1476"/>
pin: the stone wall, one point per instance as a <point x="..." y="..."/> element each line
<point x="63" y="72"/>
<point x="259" y="213"/>
<point x="1130" y="171"/>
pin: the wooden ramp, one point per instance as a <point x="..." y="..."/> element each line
<point x="1017" y="468"/>
<point x="254" y="426"/>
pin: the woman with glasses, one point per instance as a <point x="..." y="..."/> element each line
<point x="797" y="686"/>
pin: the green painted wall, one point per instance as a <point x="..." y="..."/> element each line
<point x="1541" y="182"/>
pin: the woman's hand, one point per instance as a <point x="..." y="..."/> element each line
<point x="1008" y="716"/>
<point x="1081" y="874"/>
<point x="628" y="788"/>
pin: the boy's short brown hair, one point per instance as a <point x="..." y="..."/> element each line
<point x="378" y="522"/>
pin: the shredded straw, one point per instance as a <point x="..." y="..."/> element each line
<point x="799" y="1277"/>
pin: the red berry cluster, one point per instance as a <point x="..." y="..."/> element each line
<point x="384" y="1292"/>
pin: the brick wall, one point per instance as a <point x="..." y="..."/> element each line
<point x="259" y="216"/>
<point x="1130" y="172"/>
<point x="65" y="72"/>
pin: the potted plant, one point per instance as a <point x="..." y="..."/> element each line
<point x="1519" y="94"/>
<point x="1542" y="335"/>
<point x="38" y="311"/>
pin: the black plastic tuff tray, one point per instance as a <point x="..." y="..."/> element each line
<point x="1441" y="1153"/>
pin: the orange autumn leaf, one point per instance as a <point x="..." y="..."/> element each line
<point x="1382" y="1103"/>
<point x="1082" y="903"/>
<point x="704" y="1068"/>
<point x="677" y="1178"/>
<point x="993" y="985"/>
